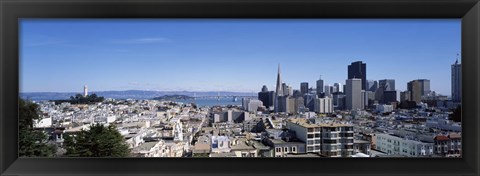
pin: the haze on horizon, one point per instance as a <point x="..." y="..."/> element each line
<point x="230" y="55"/>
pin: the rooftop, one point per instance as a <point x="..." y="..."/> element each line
<point x="305" y="123"/>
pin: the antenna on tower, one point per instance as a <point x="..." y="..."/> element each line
<point x="456" y="62"/>
<point x="320" y="77"/>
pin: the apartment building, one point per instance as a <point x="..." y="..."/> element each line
<point x="395" y="145"/>
<point x="329" y="139"/>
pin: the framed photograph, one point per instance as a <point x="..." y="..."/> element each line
<point x="250" y="87"/>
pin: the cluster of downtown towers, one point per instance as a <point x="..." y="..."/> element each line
<point x="356" y="94"/>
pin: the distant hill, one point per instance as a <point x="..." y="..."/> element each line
<point x="174" y="97"/>
<point x="133" y="94"/>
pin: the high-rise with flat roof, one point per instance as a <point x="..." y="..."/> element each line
<point x="415" y="89"/>
<point x="304" y="87"/>
<point x="425" y="86"/>
<point x="358" y="70"/>
<point x="457" y="82"/>
<point x="353" y="93"/>
<point x="319" y="86"/>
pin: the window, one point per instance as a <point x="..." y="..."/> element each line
<point x="285" y="149"/>
<point x="294" y="149"/>
<point x="278" y="149"/>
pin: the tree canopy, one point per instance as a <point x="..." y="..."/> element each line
<point x="32" y="142"/>
<point x="80" y="99"/>
<point x="456" y="116"/>
<point x="98" y="141"/>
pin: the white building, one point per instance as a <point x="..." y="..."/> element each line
<point x="85" y="91"/>
<point x="43" y="123"/>
<point x="324" y="105"/>
<point x="383" y="108"/>
<point x="394" y="145"/>
<point x="220" y="144"/>
<point x="151" y="149"/>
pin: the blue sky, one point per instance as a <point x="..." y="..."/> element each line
<point x="230" y="55"/>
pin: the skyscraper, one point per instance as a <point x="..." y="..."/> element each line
<point x="267" y="97"/>
<point x="319" y="86"/>
<point x="264" y="88"/>
<point x="337" y="87"/>
<point x="353" y="92"/>
<point x="309" y="100"/>
<point x="358" y="70"/>
<point x="372" y="85"/>
<point x="327" y="90"/>
<point x="425" y="84"/>
<point x="387" y="84"/>
<point x="415" y="89"/>
<point x="85" y="91"/>
<point x="457" y="82"/>
<point x="278" y="91"/>
<point x="304" y="87"/>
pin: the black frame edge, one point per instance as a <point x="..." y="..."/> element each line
<point x="9" y="93"/>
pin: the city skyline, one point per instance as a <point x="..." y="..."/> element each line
<point x="235" y="55"/>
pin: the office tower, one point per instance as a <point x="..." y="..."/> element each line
<point x="278" y="90"/>
<point x="291" y="109"/>
<point x="327" y="90"/>
<point x="297" y="93"/>
<point x="267" y="97"/>
<point x="405" y="96"/>
<point x="245" y="103"/>
<point x="387" y="84"/>
<point x="389" y="97"/>
<point x="425" y="86"/>
<point x="285" y="89"/>
<point x="372" y="85"/>
<point x="264" y="88"/>
<point x="304" y="87"/>
<point x="299" y="103"/>
<point x="457" y="82"/>
<point x="336" y="88"/>
<point x="415" y="89"/>
<point x="85" y="91"/>
<point x="282" y="104"/>
<point x="309" y="101"/>
<point x="319" y="86"/>
<point x="253" y="105"/>
<point x="368" y="98"/>
<point x="364" y="98"/>
<point x="358" y="70"/>
<point x="353" y="92"/>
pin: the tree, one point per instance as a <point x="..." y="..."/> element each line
<point x="456" y="116"/>
<point x="98" y="141"/>
<point x="31" y="142"/>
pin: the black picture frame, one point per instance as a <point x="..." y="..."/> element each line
<point x="13" y="10"/>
